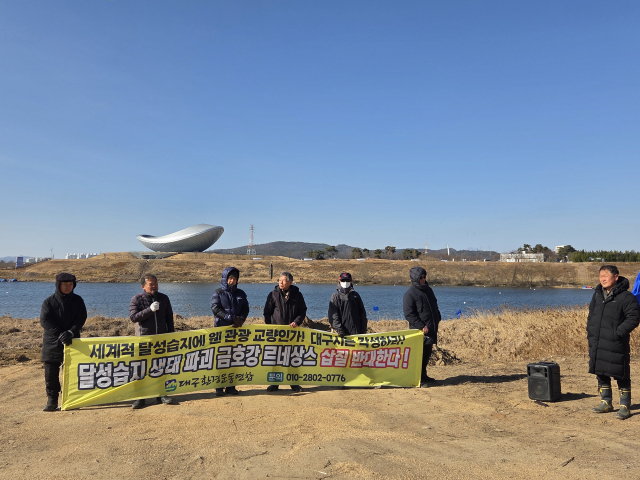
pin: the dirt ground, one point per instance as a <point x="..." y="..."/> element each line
<point x="475" y="422"/>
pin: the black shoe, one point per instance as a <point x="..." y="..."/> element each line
<point x="272" y="388"/>
<point x="166" y="400"/>
<point x="219" y="392"/>
<point x="138" y="404"/>
<point x="296" y="388"/>
<point x="232" y="390"/>
<point x="52" y="404"/>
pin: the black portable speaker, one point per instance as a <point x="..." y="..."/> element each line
<point x="544" y="381"/>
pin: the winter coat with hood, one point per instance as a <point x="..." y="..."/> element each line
<point x="283" y="309"/>
<point x="229" y="302"/>
<point x="421" y="307"/>
<point x="60" y="313"/>
<point x="347" y="314"/>
<point x="147" y="321"/>
<point x="609" y="324"/>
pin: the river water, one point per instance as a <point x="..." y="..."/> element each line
<point x="23" y="299"/>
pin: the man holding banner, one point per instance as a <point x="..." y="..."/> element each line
<point x="151" y="311"/>
<point x="62" y="316"/>
<point x="285" y="305"/>
<point x="230" y="308"/>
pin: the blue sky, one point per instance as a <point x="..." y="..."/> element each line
<point x="473" y="124"/>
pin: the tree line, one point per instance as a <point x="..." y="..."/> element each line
<point x="388" y="252"/>
<point x="608" y="256"/>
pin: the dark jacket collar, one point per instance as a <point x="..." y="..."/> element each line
<point x="622" y="285"/>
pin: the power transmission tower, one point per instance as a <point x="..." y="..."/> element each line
<point x="251" y="250"/>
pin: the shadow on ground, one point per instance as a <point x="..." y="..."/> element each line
<point x="461" y="379"/>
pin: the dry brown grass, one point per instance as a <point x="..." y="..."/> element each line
<point x="201" y="267"/>
<point x="501" y="335"/>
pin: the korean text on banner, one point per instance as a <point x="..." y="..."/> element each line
<point x="106" y="370"/>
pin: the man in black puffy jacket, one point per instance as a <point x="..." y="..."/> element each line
<point x="230" y="307"/>
<point x="151" y="311"/>
<point x="421" y="311"/>
<point x="285" y="305"/>
<point x="62" y="316"/>
<point x="613" y="314"/>
<point x="347" y="314"/>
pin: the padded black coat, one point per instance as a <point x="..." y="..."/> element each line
<point x="609" y="324"/>
<point x="60" y="313"/>
<point x="149" y="322"/>
<point x="279" y="310"/>
<point x="421" y="307"/>
<point x="347" y="314"/>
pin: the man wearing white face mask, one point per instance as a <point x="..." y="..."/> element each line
<point x="346" y="309"/>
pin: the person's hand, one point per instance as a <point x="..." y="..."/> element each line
<point x="237" y="322"/>
<point x="342" y="333"/>
<point x="154" y="306"/>
<point x="425" y="330"/>
<point x="293" y="324"/>
<point x="66" y="337"/>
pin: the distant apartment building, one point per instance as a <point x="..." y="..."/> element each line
<point x="36" y="260"/>
<point x="557" y="249"/>
<point x="78" y="256"/>
<point x="522" y="257"/>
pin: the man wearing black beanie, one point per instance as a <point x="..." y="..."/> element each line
<point x="62" y="316"/>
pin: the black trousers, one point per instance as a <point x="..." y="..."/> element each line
<point x="605" y="381"/>
<point x="426" y="353"/>
<point x="52" y="377"/>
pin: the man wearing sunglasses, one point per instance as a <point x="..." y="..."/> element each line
<point x="421" y="311"/>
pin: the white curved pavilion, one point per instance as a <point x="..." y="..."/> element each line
<point x="193" y="239"/>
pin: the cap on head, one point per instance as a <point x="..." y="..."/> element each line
<point x="345" y="277"/>
<point x="65" y="277"/>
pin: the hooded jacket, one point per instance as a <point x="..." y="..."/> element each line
<point x="59" y="313"/>
<point x="229" y="302"/>
<point x="609" y="324"/>
<point x="283" y="310"/>
<point x="149" y="322"/>
<point x="347" y="314"/>
<point x="421" y="307"/>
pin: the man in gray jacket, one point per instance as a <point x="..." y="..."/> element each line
<point x="151" y="311"/>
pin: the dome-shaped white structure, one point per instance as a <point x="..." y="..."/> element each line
<point x="193" y="239"/>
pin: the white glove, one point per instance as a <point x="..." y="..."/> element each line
<point x="154" y="306"/>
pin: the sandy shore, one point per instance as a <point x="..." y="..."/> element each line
<point x="475" y="422"/>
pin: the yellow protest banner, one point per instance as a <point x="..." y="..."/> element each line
<point x="115" y="369"/>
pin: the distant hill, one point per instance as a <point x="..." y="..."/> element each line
<point x="287" y="249"/>
<point x="300" y="250"/>
<point x="12" y="258"/>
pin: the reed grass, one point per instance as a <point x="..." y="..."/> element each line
<point x="505" y="334"/>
